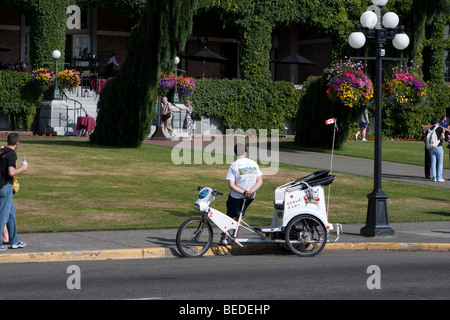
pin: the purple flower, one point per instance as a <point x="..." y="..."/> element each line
<point x="417" y="84"/>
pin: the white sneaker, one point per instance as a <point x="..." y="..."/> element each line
<point x="18" y="245"/>
<point x="223" y="242"/>
<point x="363" y="140"/>
<point x="441" y="180"/>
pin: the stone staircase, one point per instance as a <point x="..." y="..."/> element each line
<point x="59" y="117"/>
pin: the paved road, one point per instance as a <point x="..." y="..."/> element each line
<point x="281" y="276"/>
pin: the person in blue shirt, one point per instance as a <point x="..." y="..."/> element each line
<point x="443" y="122"/>
<point x="444" y="125"/>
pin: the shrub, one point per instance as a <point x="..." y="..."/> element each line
<point x="19" y="100"/>
<point x="244" y="105"/>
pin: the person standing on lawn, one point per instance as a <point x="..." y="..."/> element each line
<point x="363" y="123"/>
<point x="166" y="116"/>
<point x="8" y="170"/>
<point x="437" y="154"/>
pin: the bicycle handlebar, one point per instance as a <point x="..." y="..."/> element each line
<point x="215" y="192"/>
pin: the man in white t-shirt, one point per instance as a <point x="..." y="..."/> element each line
<point x="244" y="179"/>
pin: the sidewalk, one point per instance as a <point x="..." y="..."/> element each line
<point x="142" y="244"/>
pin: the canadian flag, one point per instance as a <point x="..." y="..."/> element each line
<point x="330" y="121"/>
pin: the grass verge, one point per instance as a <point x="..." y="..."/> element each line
<point x="73" y="185"/>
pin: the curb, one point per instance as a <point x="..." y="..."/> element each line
<point x="388" y="246"/>
<point x="117" y="254"/>
<point x="150" y="253"/>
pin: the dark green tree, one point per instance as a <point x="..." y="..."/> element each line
<point x="127" y="102"/>
<point x="315" y="109"/>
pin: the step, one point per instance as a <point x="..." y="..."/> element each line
<point x="70" y="130"/>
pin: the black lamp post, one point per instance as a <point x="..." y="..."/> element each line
<point x="375" y="26"/>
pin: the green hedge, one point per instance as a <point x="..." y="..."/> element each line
<point x="244" y="105"/>
<point x="19" y="100"/>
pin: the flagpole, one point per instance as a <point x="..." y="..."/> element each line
<point x="328" y="122"/>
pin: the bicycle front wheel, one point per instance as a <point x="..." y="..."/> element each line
<point x="194" y="237"/>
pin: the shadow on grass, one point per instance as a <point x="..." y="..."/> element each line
<point x="66" y="142"/>
<point x="70" y="142"/>
<point x="439" y="213"/>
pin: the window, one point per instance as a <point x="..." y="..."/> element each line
<point x="81" y="46"/>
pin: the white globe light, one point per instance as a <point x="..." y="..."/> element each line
<point x="369" y="19"/>
<point x="390" y="20"/>
<point x="177" y="60"/>
<point x="380" y="3"/>
<point x="401" y="41"/>
<point x="357" y="40"/>
<point x="56" y="54"/>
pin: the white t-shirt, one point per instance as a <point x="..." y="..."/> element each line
<point x="244" y="173"/>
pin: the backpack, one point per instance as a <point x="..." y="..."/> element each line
<point x="16" y="185"/>
<point x="431" y="140"/>
<point x="194" y="116"/>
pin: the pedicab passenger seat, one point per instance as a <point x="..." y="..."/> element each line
<point x="318" y="178"/>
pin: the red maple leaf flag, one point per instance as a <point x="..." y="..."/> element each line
<point x="330" y="121"/>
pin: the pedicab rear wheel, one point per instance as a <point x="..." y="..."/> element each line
<point x="194" y="237"/>
<point x="306" y="235"/>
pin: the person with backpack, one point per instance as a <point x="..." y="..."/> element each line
<point x="166" y="116"/>
<point x="427" y="153"/>
<point x="188" y="123"/>
<point x="8" y="170"/>
<point x="433" y="142"/>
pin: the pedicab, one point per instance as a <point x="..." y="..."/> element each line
<point x="300" y="220"/>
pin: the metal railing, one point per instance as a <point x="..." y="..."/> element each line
<point x="72" y="106"/>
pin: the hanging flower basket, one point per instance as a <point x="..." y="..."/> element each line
<point x="43" y="78"/>
<point x="405" y="89"/>
<point x="70" y="79"/>
<point x="349" y="84"/>
<point x="166" y="83"/>
<point x="186" y="86"/>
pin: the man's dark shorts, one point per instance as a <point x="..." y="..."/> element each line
<point x="234" y="206"/>
<point x="362" y="125"/>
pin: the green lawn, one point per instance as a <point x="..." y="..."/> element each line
<point x="73" y="185"/>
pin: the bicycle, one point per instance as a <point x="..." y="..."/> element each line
<point x="299" y="220"/>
